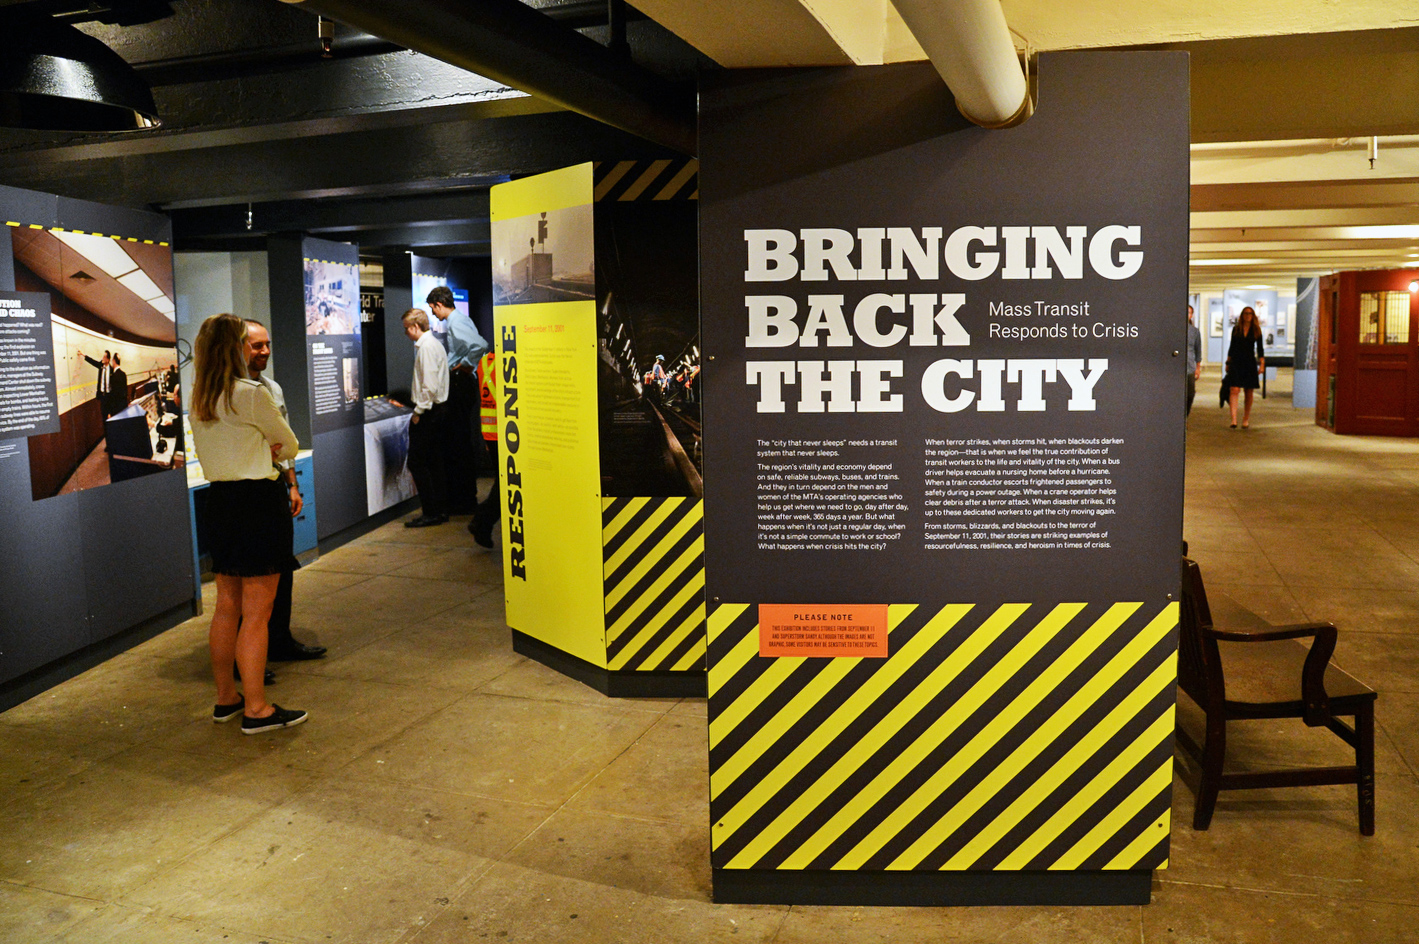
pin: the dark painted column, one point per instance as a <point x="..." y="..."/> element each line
<point x="398" y="298"/>
<point x="286" y="271"/>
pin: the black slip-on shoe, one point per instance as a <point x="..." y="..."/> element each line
<point x="279" y="718"/>
<point x="221" y="714"/>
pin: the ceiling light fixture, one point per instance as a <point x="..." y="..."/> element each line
<point x="141" y="285"/>
<point x="55" y="78"/>
<point x="102" y="251"/>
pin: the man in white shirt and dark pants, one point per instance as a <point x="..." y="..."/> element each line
<point x="280" y="646"/>
<point x="429" y="391"/>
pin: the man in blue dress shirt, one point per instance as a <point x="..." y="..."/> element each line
<point x="465" y="347"/>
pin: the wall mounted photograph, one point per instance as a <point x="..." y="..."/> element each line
<point x="544" y="257"/>
<point x="332" y="298"/>
<point x="648" y="332"/>
<point x="115" y="358"/>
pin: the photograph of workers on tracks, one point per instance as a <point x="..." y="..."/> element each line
<point x="647" y="304"/>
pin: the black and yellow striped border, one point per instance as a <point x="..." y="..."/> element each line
<point x="624" y="181"/>
<point x="1019" y="737"/>
<point x="81" y="232"/>
<point x="653" y="565"/>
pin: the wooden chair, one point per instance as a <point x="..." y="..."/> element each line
<point x="1269" y="674"/>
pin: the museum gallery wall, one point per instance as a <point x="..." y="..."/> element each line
<point x="92" y="493"/>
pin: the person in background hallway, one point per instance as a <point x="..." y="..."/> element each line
<point x="280" y="646"/>
<point x="103" y="387"/>
<point x="465" y="347"/>
<point x="1194" y="359"/>
<point x="485" y="517"/>
<point x="429" y="391"/>
<point x="119" y="385"/>
<point x="1246" y="358"/>
<point x="240" y="434"/>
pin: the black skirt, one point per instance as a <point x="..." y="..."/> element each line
<point x="249" y="528"/>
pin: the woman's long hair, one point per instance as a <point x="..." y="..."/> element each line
<point x="219" y="361"/>
<point x="1254" y="330"/>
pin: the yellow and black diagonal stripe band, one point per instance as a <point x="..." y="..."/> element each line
<point x="654" y="572"/>
<point x="624" y="181"/>
<point x="993" y="737"/>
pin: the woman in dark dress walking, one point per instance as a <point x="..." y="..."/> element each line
<point x="1246" y="358"/>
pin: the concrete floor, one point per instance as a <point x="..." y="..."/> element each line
<point x="446" y="789"/>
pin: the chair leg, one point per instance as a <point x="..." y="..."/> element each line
<point x="1365" y="762"/>
<point x="1214" y="747"/>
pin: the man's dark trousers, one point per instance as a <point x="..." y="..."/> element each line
<point x="426" y="460"/>
<point x="461" y="461"/>
<point x="278" y="635"/>
<point x="485" y="517"/>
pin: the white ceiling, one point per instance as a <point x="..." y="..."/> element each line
<point x="1286" y="96"/>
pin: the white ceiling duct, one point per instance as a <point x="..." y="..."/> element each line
<point x="969" y="43"/>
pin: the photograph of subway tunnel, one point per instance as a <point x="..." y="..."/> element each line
<point x="544" y="257"/>
<point x="115" y="358"/>
<point x="649" y="335"/>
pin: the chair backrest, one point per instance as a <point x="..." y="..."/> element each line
<point x="1199" y="662"/>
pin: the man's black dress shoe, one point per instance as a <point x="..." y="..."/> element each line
<point x="268" y="679"/>
<point x="483" y="537"/>
<point x="297" y="652"/>
<point x="425" y="521"/>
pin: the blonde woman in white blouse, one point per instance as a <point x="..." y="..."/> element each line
<point x="240" y="435"/>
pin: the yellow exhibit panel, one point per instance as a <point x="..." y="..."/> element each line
<point x="548" y="454"/>
<point x="596" y="306"/>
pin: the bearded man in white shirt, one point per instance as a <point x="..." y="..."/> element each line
<point x="429" y="392"/>
<point x="281" y="646"/>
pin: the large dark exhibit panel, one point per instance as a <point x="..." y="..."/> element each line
<point x="315" y="308"/>
<point x="90" y="559"/>
<point x="943" y="482"/>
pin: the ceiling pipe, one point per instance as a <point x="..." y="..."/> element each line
<point x="512" y="43"/>
<point x="969" y="43"/>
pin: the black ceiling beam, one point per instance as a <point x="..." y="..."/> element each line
<point x="332" y="216"/>
<point x="473" y="238"/>
<point x="514" y="44"/>
<point x="246" y="62"/>
<point x="381" y="161"/>
<point x="476" y="234"/>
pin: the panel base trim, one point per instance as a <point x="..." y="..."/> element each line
<point x="612" y="683"/>
<point x="930" y="889"/>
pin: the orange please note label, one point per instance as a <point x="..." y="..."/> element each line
<point x="815" y="630"/>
